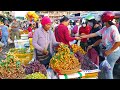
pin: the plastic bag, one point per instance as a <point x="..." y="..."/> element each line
<point x="1" y="44"/>
<point x="10" y="41"/>
<point x="105" y="65"/>
<point x="51" y="74"/>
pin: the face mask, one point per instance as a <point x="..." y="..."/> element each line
<point x="84" y="25"/>
<point x="77" y="23"/>
<point x="91" y="24"/>
<point x="33" y="30"/>
<point x="114" y="21"/>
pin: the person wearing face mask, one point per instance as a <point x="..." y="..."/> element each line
<point x="84" y="30"/>
<point x="110" y="42"/>
<point x="95" y="27"/>
<point x="75" y="31"/>
<point x="44" y="41"/>
<point x="116" y="23"/>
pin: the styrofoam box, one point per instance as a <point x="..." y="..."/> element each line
<point x="21" y="43"/>
<point x="24" y="36"/>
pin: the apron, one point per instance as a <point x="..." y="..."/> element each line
<point x="43" y="59"/>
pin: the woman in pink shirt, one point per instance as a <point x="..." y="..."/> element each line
<point x="110" y="42"/>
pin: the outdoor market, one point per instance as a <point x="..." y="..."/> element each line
<point x="82" y="45"/>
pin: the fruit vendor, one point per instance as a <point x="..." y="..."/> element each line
<point x="44" y="41"/>
<point x="110" y="41"/>
<point x="62" y="33"/>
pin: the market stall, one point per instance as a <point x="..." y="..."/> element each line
<point x="67" y="63"/>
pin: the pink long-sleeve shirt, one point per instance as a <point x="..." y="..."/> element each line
<point x="41" y="39"/>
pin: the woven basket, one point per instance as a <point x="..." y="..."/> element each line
<point x="61" y="71"/>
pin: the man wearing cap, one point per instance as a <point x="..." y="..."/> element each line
<point x="43" y="41"/>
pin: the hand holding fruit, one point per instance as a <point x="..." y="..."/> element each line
<point x="45" y="52"/>
<point x="77" y="38"/>
<point x="83" y="35"/>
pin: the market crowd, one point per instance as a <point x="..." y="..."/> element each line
<point x="98" y="33"/>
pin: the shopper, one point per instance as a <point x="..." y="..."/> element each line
<point x="96" y="27"/>
<point x="15" y="30"/>
<point x="30" y="28"/>
<point x="5" y="34"/>
<point x="84" y="29"/>
<point x="110" y="42"/>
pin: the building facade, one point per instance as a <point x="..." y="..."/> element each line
<point x="56" y="14"/>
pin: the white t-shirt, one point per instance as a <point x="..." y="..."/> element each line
<point x="109" y="35"/>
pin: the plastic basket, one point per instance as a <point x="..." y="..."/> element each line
<point x="24" y="58"/>
<point x="90" y="75"/>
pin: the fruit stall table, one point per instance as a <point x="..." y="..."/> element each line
<point x="77" y="75"/>
<point x="91" y="74"/>
<point x="82" y="74"/>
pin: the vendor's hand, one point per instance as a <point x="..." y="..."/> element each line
<point x="108" y="52"/>
<point x="89" y="47"/>
<point x="82" y="36"/>
<point x="77" y="38"/>
<point x="45" y="52"/>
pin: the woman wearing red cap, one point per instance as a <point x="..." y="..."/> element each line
<point x="43" y="41"/>
<point x="110" y="42"/>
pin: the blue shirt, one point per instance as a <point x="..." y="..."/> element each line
<point x="4" y="30"/>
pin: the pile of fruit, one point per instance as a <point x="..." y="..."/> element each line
<point x="87" y="64"/>
<point x="36" y="75"/>
<point x="64" y="60"/>
<point x="24" y="55"/>
<point x="81" y="55"/>
<point x="31" y="15"/>
<point x="19" y="51"/>
<point x="11" y="68"/>
<point x="35" y="66"/>
<point x="75" y="48"/>
<point x="23" y="32"/>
